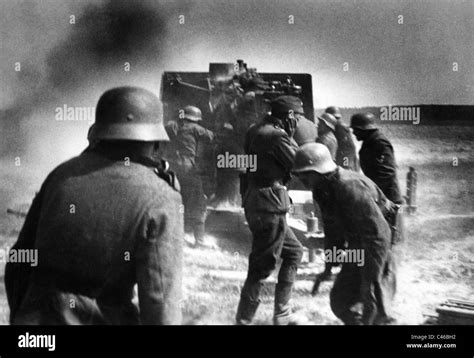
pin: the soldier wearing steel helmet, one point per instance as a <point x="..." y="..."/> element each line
<point x="102" y="222"/>
<point x="346" y="154"/>
<point x="361" y="294"/>
<point x="332" y="233"/>
<point x="185" y="137"/>
<point x="338" y="139"/>
<point x="327" y="133"/>
<point x="377" y="160"/>
<point x="266" y="203"/>
<point x="306" y="131"/>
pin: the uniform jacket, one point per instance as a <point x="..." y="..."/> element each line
<point x="184" y="139"/>
<point x="275" y="152"/>
<point x="356" y="206"/>
<point x="100" y="227"/>
<point x="330" y="141"/>
<point x="377" y="161"/>
<point x="346" y="154"/>
<point x="306" y="131"/>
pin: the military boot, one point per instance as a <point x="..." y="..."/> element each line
<point x="284" y="313"/>
<point x="246" y="311"/>
<point x="249" y="301"/>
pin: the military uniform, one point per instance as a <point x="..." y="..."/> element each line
<point x="266" y="202"/>
<point x="346" y="155"/>
<point x="330" y="141"/>
<point x="358" y="207"/>
<point x="377" y="161"/>
<point x="100" y="227"/>
<point x="306" y="131"/>
<point x="332" y="233"/>
<point x="185" y="137"/>
<point x="327" y="136"/>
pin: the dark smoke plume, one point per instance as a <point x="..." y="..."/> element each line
<point x="88" y="60"/>
<point x="105" y="37"/>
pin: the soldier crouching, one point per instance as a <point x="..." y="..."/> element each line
<point x="363" y="291"/>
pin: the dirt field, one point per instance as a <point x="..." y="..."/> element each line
<point x="438" y="256"/>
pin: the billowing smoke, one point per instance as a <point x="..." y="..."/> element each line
<point x="57" y="53"/>
<point x="109" y="43"/>
<point x="105" y="37"/>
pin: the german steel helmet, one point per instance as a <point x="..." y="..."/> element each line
<point x="313" y="157"/>
<point x="128" y="113"/>
<point x="363" y="121"/>
<point x="334" y="111"/>
<point x="329" y="120"/>
<point x="192" y="113"/>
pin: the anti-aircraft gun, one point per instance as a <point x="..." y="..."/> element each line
<point x="231" y="97"/>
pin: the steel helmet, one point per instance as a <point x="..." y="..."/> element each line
<point x="364" y="121"/>
<point x="313" y="157"/>
<point x="192" y="113"/>
<point x="128" y="113"/>
<point x="329" y="120"/>
<point x="334" y="111"/>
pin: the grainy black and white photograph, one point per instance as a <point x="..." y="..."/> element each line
<point x="237" y="162"/>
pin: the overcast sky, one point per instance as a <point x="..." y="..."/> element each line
<point x="388" y="62"/>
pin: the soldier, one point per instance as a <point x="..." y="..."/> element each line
<point x="266" y="203"/>
<point x="361" y="294"/>
<point x="306" y="131"/>
<point x="346" y="155"/>
<point x="327" y="133"/>
<point x="332" y="237"/>
<point x="101" y="223"/>
<point x="377" y="160"/>
<point x="338" y="138"/>
<point x="185" y="136"/>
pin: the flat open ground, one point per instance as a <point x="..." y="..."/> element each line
<point x="438" y="256"/>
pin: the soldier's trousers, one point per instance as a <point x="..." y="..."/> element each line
<point x="194" y="202"/>
<point x="272" y="240"/>
<point x="357" y="300"/>
<point x="333" y="237"/>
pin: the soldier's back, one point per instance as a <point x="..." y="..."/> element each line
<point x="377" y="160"/>
<point x="330" y="141"/>
<point x="359" y="202"/>
<point x="306" y="132"/>
<point x="95" y="212"/>
<point x="346" y="150"/>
